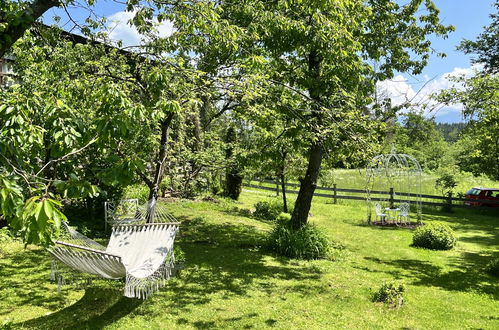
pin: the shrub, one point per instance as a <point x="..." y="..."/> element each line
<point x="268" y="210"/>
<point x="435" y="236"/>
<point x="493" y="267"/>
<point x="390" y="293"/>
<point x="308" y="242"/>
<point x="5" y="235"/>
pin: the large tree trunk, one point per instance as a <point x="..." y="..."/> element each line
<point x="309" y="183"/>
<point x="307" y="187"/>
<point x="15" y="30"/>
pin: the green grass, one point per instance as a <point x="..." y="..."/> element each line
<point x="356" y="179"/>
<point x="229" y="282"/>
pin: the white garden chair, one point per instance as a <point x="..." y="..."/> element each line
<point x="379" y="212"/>
<point x="404" y="212"/>
<point x="121" y="212"/>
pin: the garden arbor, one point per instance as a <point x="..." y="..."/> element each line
<point x="393" y="181"/>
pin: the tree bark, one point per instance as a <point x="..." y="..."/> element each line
<point x="307" y="187"/>
<point x="283" y="182"/>
<point x="309" y="183"/>
<point x="160" y="161"/>
<point x="233" y="178"/>
<point x="15" y="30"/>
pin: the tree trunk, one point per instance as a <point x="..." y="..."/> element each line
<point x="283" y="182"/>
<point x="233" y="178"/>
<point x="15" y="30"/>
<point x="307" y="187"/>
<point x="284" y="201"/>
<point x="160" y="162"/>
<point x="309" y="183"/>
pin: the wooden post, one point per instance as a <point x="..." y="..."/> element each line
<point x="449" y="200"/>
<point x="277" y="188"/>
<point x="391" y="199"/>
<point x="335" y="200"/>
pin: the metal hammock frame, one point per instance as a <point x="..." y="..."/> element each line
<point x="402" y="173"/>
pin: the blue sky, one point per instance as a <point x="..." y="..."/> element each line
<point x="467" y="16"/>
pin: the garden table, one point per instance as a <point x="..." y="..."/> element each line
<point x="392" y="213"/>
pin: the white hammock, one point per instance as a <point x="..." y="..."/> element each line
<point x="140" y="253"/>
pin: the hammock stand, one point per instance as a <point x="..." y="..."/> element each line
<point x="141" y="253"/>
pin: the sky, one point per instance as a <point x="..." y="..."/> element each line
<point x="467" y="16"/>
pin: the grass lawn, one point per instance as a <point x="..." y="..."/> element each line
<point x="229" y="283"/>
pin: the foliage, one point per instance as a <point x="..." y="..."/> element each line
<point x="307" y="242"/>
<point x="5" y="234"/>
<point x="493" y="267"/>
<point x="450" y="131"/>
<point x="268" y="210"/>
<point x="446" y="183"/>
<point x="420" y="138"/>
<point x="390" y="293"/>
<point x="434" y="236"/>
<point x="478" y="148"/>
<point x="487" y="45"/>
<point x="179" y="254"/>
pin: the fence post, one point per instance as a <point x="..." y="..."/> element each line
<point x="335" y="200"/>
<point x="391" y="199"/>
<point x="277" y="188"/>
<point x="449" y="200"/>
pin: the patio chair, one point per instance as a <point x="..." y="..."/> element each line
<point x="404" y="212"/>
<point x="379" y="213"/>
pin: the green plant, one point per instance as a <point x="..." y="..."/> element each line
<point x="308" y="242"/>
<point x="268" y="210"/>
<point x="390" y="293"/>
<point x="434" y="236"/>
<point x="5" y="234"/>
<point x="493" y="267"/>
<point x="179" y="254"/>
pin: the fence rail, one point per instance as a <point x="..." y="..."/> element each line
<point x="449" y="201"/>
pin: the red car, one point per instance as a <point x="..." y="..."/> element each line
<point x="484" y="195"/>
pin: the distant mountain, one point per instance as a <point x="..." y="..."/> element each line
<point x="451" y="131"/>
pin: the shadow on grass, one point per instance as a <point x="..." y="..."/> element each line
<point x="24" y="276"/>
<point x="216" y="266"/>
<point x="468" y="273"/>
<point x="96" y="309"/>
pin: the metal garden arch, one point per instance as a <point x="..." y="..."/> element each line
<point x="392" y="180"/>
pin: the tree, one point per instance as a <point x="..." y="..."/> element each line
<point x="95" y="115"/>
<point x="478" y="147"/>
<point x="486" y="46"/>
<point x="17" y="16"/>
<point x="320" y="52"/>
<point x="419" y="137"/>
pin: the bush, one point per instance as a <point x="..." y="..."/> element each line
<point x="435" y="236"/>
<point x="493" y="267"/>
<point x="5" y="234"/>
<point x="308" y="242"/>
<point x="268" y="210"/>
<point x="390" y="293"/>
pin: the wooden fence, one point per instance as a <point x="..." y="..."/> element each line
<point x="358" y="194"/>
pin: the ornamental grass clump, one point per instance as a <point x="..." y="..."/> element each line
<point x="390" y="293"/>
<point x="434" y="236"/>
<point x="308" y="242"/>
<point x="493" y="267"/>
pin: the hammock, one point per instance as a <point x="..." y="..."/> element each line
<point x="141" y="253"/>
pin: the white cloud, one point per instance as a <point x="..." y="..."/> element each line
<point x="400" y="90"/>
<point x="120" y="28"/>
